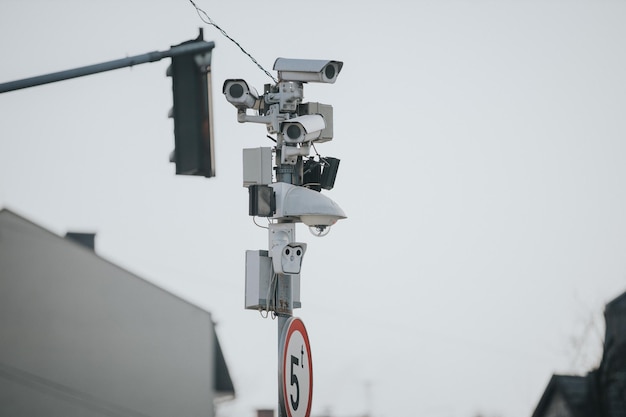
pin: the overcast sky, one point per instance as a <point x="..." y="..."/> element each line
<point x="482" y="148"/>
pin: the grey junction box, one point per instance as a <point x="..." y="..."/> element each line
<point x="259" y="291"/>
<point x="257" y="166"/>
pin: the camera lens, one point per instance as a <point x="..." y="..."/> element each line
<point x="236" y="90"/>
<point x="294" y="132"/>
<point x="329" y="71"/>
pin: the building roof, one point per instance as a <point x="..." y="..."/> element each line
<point x="601" y="392"/>
<point x="617" y="304"/>
<point x="614" y="354"/>
<point x="613" y="365"/>
<point x="89" y="338"/>
<point x="577" y="393"/>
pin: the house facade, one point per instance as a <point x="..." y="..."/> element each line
<point x="602" y="392"/>
<point x="80" y="336"/>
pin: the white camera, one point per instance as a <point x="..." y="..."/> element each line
<point x="286" y="255"/>
<point x="287" y="259"/>
<point x="240" y="95"/>
<point x="304" y="128"/>
<point x="307" y="70"/>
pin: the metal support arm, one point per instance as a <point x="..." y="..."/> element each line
<point x="188" y="48"/>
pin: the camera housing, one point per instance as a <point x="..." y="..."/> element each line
<point x="287" y="258"/>
<point x="307" y="70"/>
<point x="240" y="95"/>
<point x="285" y="253"/>
<point x="302" y="129"/>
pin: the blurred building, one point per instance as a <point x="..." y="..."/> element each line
<point x="602" y="392"/>
<point x="80" y="336"/>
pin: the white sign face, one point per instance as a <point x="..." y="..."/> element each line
<point x="297" y="370"/>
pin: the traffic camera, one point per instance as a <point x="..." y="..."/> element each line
<point x="240" y="95"/>
<point x="307" y="70"/>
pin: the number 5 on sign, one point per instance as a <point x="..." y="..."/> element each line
<point x="296" y="370"/>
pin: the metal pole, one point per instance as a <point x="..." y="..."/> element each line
<point x="284" y="301"/>
<point x="189" y="48"/>
<point x="282" y="323"/>
<point x="284" y="311"/>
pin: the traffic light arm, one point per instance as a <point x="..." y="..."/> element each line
<point x="188" y="48"/>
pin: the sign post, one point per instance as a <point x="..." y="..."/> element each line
<point x="295" y="370"/>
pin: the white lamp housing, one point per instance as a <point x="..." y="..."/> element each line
<point x="308" y="206"/>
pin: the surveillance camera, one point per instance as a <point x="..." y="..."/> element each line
<point x="240" y="95"/>
<point x="287" y="258"/>
<point x="303" y="128"/>
<point x="307" y="70"/>
<point x="319" y="230"/>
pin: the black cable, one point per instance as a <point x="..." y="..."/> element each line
<point x="206" y="19"/>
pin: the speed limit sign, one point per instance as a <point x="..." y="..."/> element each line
<point x="296" y="370"/>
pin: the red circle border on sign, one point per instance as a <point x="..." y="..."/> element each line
<point x="293" y="325"/>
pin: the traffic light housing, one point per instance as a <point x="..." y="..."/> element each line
<point x="192" y="111"/>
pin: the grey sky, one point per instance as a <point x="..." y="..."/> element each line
<point x="482" y="171"/>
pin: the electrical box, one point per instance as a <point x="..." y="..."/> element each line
<point x="295" y="291"/>
<point x="258" y="280"/>
<point x="261" y="200"/>
<point x="259" y="286"/>
<point x="329" y="173"/>
<point x="257" y="166"/>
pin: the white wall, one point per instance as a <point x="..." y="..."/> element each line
<point x="81" y="336"/>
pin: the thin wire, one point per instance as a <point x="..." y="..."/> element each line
<point x="270" y="290"/>
<point x="206" y="19"/>
<point x="323" y="160"/>
<point x="258" y="225"/>
<point x="315" y="149"/>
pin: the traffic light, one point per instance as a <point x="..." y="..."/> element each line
<point x="192" y="111"/>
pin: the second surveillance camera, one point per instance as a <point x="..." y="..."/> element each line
<point x="287" y="259"/>
<point x="240" y="95"/>
<point x="308" y="70"/>
<point x="303" y="128"/>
